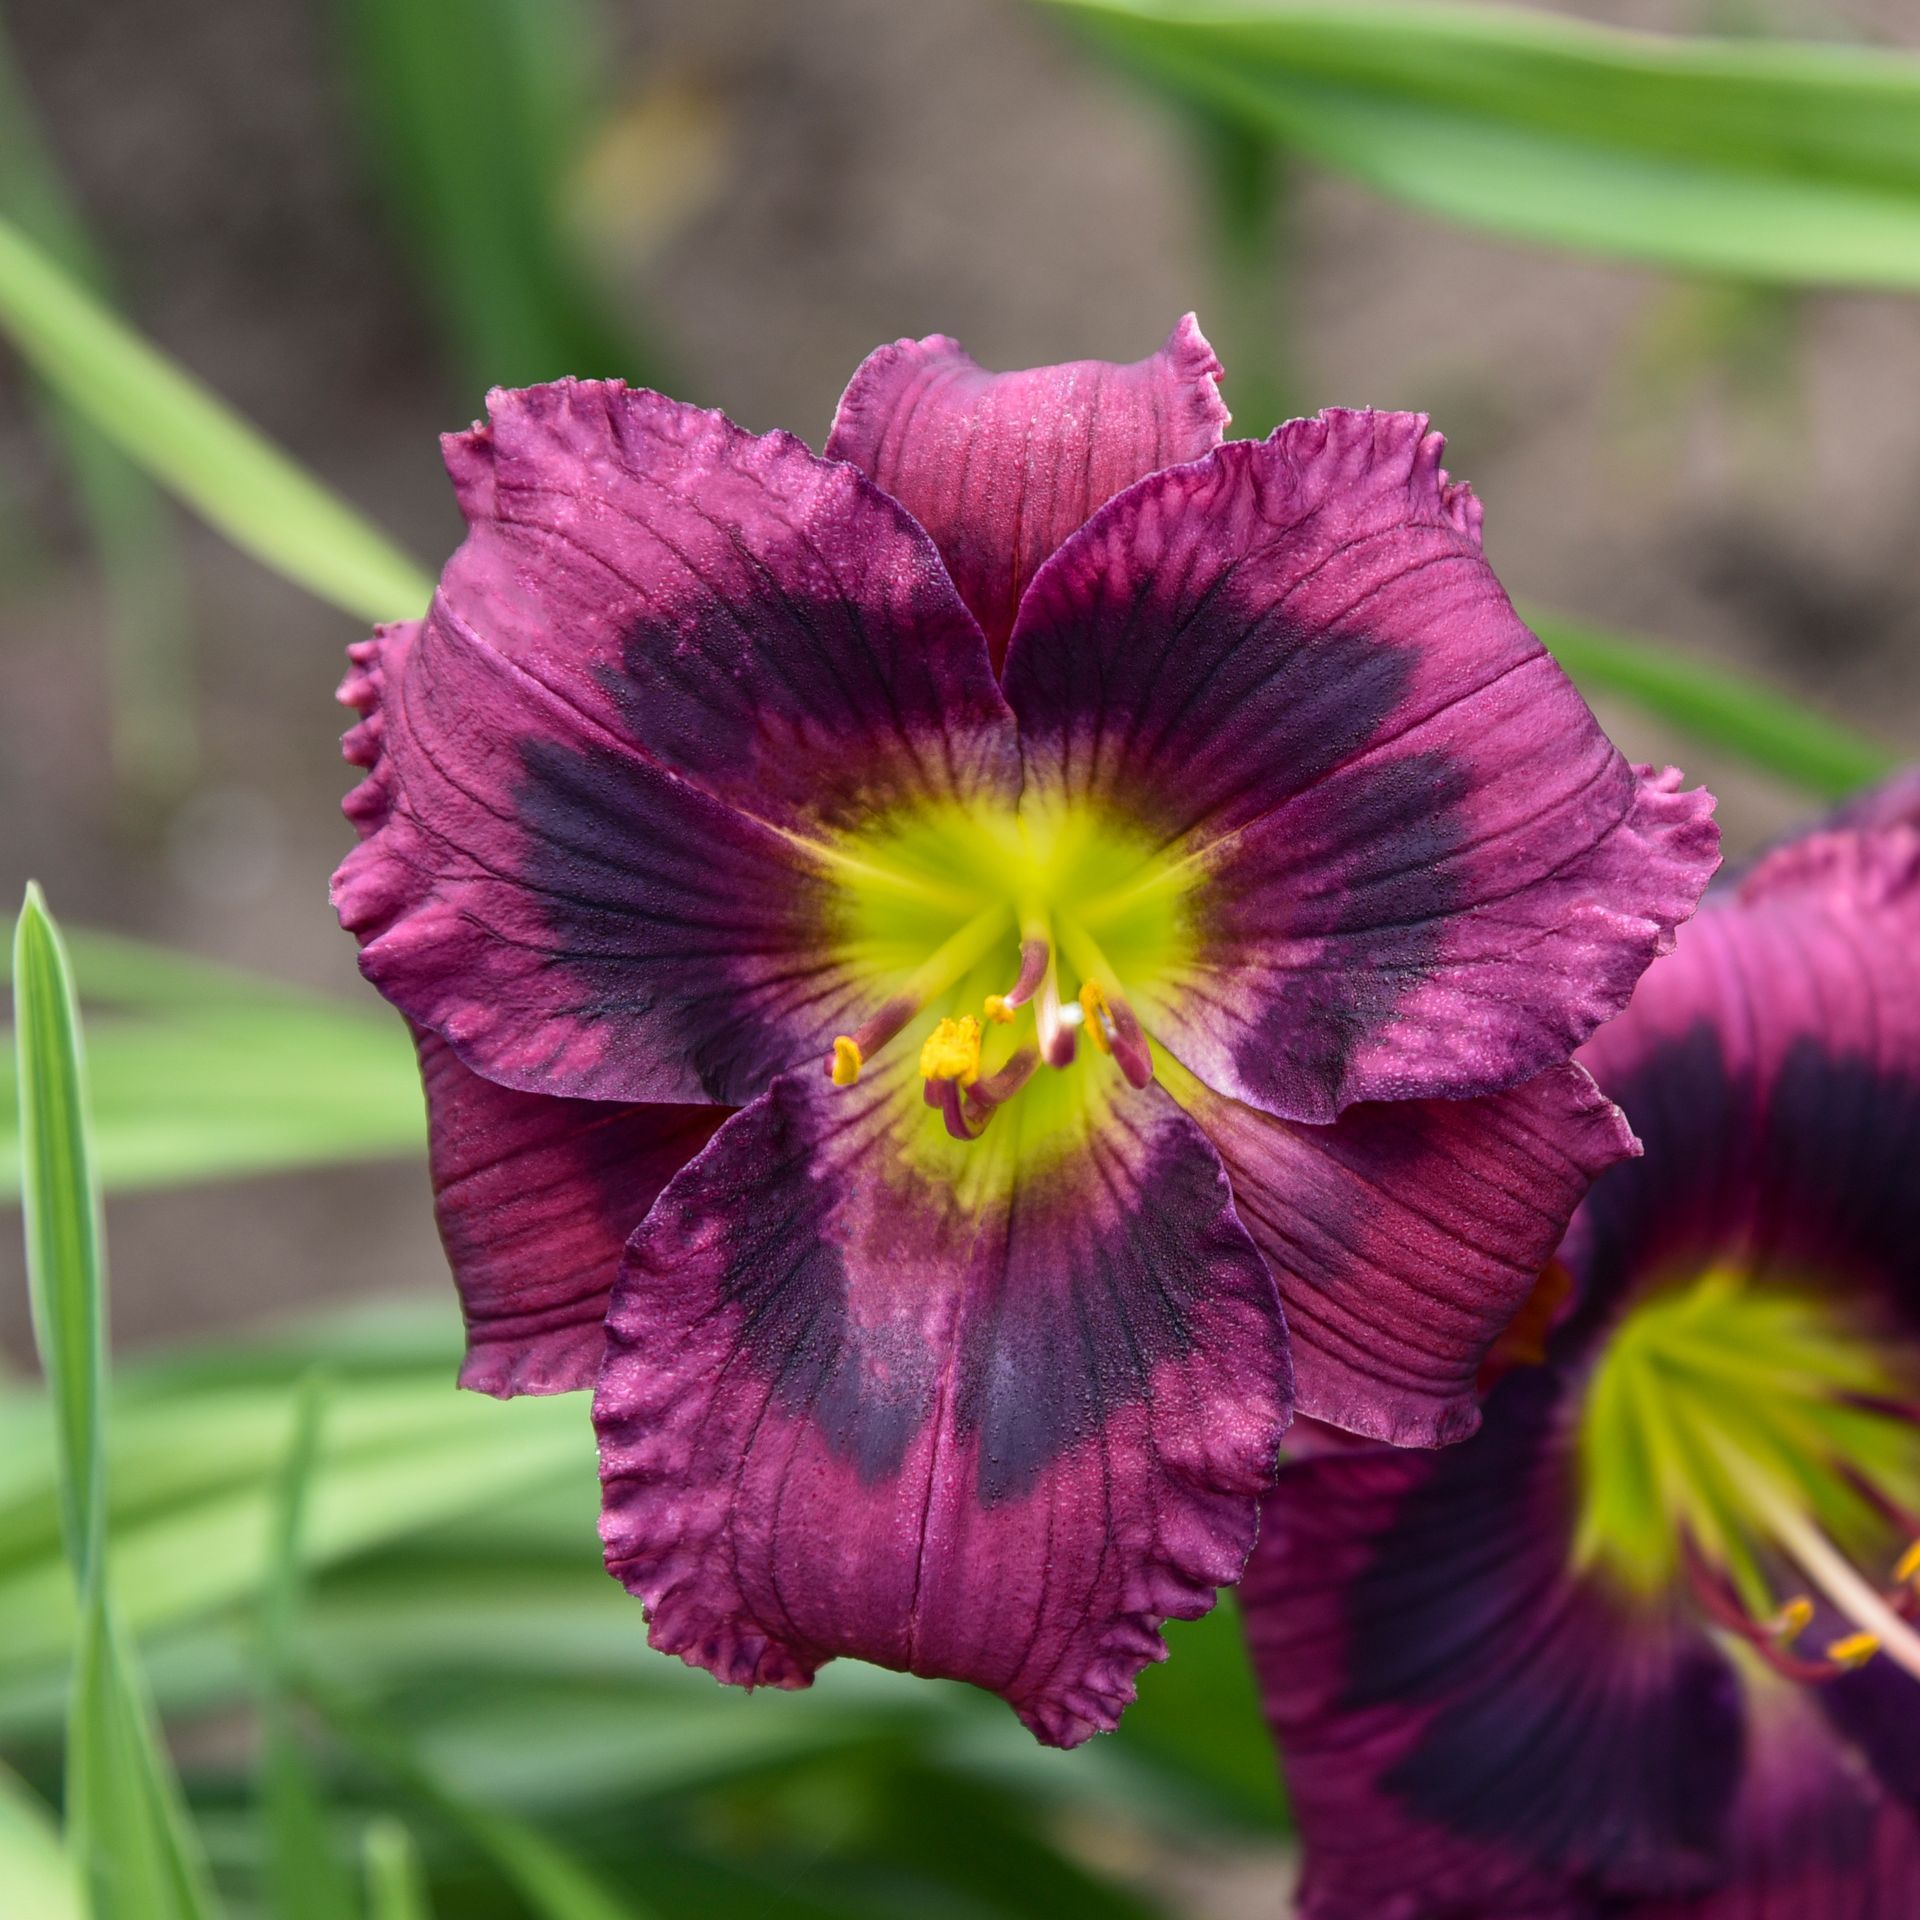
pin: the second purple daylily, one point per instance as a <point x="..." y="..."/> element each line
<point x="958" y="979"/>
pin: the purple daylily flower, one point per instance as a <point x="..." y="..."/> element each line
<point x="1644" y="1648"/>
<point x="929" y="961"/>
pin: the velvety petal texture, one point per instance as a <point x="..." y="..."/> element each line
<point x="996" y="1424"/>
<point x="535" y="1198"/>
<point x="574" y="919"/>
<point x="766" y="624"/>
<point x="693" y="649"/>
<point x="1478" y="1721"/>
<point x="1422" y="871"/>
<point x="922" y="956"/>
<point x="1002" y="467"/>
<point x="1405" y="1237"/>
<point x="1773" y="1068"/>
<point x="1814" y="1834"/>
<point x="1467" y="1730"/>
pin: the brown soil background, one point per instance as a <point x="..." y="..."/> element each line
<point x="844" y="172"/>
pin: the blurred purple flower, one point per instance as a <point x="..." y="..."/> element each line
<point x="1127" y="886"/>
<point x="1643" y="1648"/>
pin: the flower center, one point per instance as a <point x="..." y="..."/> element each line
<point x="1750" y="1441"/>
<point x="999" y="942"/>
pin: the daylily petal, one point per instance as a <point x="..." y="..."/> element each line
<point x="535" y="1198"/>
<point x="1001" y="467"/>
<point x="573" y="919"/>
<point x="1813" y="1835"/>
<point x="1772" y="1066"/>
<point x="1419" y="868"/>
<point x="765" y="623"/>
<point x="1405" y="1236"/>
<point x="1466" y="1727"/>
<point x="1895" y="802"/>
<point x="873" y="1391"/>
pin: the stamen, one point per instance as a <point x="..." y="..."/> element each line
<point x="1035" y="952"/>
<point x="945" y="1094"/>
<point x="1853" y="1650"/>
<point x="1852" y="1596"/>
<point x="1054" y="1022"/>
<point x="1908" y="1565"/>
<point x="1093" y="1004"/>
<point x="1772" y="1640"/>
<point x="953" y="958"/>
<point x="852" y="1051"/>
<point x="1793" y="1619"/>
<point x="1000" y="1087"/>
<point x="1112" y="1022"/>
<point x="952" y="1051"/>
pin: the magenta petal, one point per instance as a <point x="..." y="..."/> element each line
<point x="1421" y="868"/>
<point x="535" y="1198"/>
<point x="1815" y="1834"/>
<point x="854" y="1404"/>
<point x="1001" y="467"/>
<point x="573" y="919"/>
<point x="1467" y="1728"/>
<point x="1405" y="1236"/>
<point x="1772" y="1065"/>
<point x="765" y="623"/>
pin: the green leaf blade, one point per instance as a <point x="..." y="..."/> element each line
<point x="170" y="426"/>
<point x="126" y="1821"/>
<point x="60" y="1207"/>
<point x="1786" y="163"/>
<point x="1741" y="716"/>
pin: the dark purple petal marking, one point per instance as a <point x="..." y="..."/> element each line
<point x="1466" y="1728"/>
<point x="1425" y="872"/>
<point x="854" y="1406"/>
<point x="1772" y="1066"/>
<point x="765" y="623"/>
<point x="1002" y="467"/>
<point x="1405" y="1237"/>
<point x="535" y="1199"/>
<point x="575" y="920"/>
<point x="1815" y="1835"/>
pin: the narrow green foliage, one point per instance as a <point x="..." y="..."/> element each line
<point x="126" y="1824"/>
<point x="396" y="1888"/>
<point x="171" y="426"/>
<point x="554" y="1885"/>
<point x="475" y="109"/>
<point x="61" y="1215"/>
<point x="1744" y="717"/>
<point x="36" y="1870"/>
<point x="306" y="1879"/>
<point x="202" y="1071"/>
<point x="1773" y="161"/>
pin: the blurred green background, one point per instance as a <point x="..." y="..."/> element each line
<point x="1651" y="265"/>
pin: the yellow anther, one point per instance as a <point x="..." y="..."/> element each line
<point x="1792" y="1620"/>
<point x="998" y="1011"/>
<point x="1094" y="1004"/>
<point x="1908" y="1564"/>
<point x="952" y="1051"/>
<point x="1855" y="1650"/>
<point x="847" y="1061"/>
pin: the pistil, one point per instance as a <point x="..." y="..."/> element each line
<point x="1056" y="1030"/>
